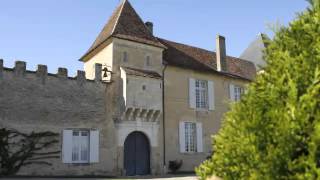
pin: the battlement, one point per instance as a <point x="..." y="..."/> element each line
<point x="20" y="70"/>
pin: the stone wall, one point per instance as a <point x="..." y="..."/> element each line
<point x="39" y="101"/>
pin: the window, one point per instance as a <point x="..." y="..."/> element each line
<point x="125" y="57"/>
<point x="190" y="137"/>
<point x="80" y="146"/>
<point x="148" y="61"/>
<point x="201" y="94"/>
<point x="236" y="92"/>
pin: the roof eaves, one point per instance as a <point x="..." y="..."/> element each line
<point x="89" y="52"/>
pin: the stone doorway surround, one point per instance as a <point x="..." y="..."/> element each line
<point x="150" y="130"/>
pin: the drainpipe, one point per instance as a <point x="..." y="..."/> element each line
<point x="163" y="119"/>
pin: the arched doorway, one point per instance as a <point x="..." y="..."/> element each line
<point x="137" y="154"/>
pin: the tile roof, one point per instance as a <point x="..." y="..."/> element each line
<point x="186" y="56"/>
<point x="140" y="72"/>
<point x="125" y="23"/>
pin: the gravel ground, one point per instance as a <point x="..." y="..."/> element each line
<point x="136" y="178"/>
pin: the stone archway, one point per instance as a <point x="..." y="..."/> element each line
<point x="137" y="154"/>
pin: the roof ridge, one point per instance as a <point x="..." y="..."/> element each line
<point x="214" y="52"/>
<point x="119" y="13"/>
<point x="192" y="46"/>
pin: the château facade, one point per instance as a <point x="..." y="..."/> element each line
<point x="140" y="102"/>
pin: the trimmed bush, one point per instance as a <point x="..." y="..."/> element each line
<point x="274" y="131"/>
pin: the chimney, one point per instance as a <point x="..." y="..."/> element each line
<point x="149" y="26"/>
<point x="221" y="53"/>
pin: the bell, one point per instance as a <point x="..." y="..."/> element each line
<point x="105" y="72"/>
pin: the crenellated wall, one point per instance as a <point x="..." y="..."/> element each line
<point x="41" y="101"/>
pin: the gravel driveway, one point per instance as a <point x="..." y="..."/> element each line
<point x="143" y="178"/>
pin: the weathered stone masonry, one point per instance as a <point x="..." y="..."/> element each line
<point x="39" y="101"/>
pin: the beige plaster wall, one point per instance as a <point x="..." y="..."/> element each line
<point x="177" y="109"/>
<point x="129" y="93"/>
<point x="104" y="57"/>
<point x="136" y="53"/>
<point x="150" y="98"/>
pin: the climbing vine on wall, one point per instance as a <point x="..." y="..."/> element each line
<point x="19" y="149"/>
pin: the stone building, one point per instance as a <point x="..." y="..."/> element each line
<point x="140" y="102"/>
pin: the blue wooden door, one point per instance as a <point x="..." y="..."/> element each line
<point x="136" y="154"/>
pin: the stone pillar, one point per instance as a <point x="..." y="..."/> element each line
<point x="81" y="76"/>
<point x="63" y="73"/>
<point x="42" y="72"/>
<point x="98" y="72"/>
<point x="1" y="68"/>
<point x="20" y="68"/>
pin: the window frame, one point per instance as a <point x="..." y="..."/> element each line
<point x="147" y="61"/>
<point x="201" y="94"/>
<point x="77" y="141"/>
<point x="125" y="57"/>
<point x="238" y="92"/>
<point x="190" y="134"/>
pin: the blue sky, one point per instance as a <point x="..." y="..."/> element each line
<point x="58" y="32"/>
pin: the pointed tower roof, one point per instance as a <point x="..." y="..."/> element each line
<point x="254" y="51"/>
<point x="126" y="24"/>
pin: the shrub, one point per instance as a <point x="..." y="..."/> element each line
<point x="274" y="131"/>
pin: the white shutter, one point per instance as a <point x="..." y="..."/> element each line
<point x="192" y="93"/>
<point x="67" y="146"/>
<point x="182" y="137"/>
<point x="199" y="138"/>
<point x="211" y="95"/>
<point x="231" y="92"/>
<point x="94" y="146"/>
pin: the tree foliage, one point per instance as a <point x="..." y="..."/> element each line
<point x="274" y="132"/>
<point x="19" y="149"/>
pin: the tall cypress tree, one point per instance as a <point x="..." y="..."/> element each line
<point x="274" y="131"/>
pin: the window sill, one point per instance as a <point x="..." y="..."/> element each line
<point x="79" y="164"/>
<point x="202" y="110"/>
<point x="192" y="153"/>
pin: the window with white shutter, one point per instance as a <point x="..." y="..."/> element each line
<point x="192" y="93"/>
<point x="199" y="138"/>
<point x="80" y="146"/>
<point x="201" y="94"/>
<point x="211" y="95"/>
<point x="236" y="92"/>
<point x="182" y="141"/>
<point x="190" y="137"/>
<point x="67" y="146"/>
<point x="94" y="146"/>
